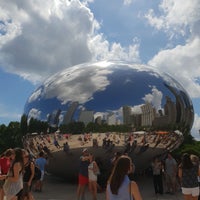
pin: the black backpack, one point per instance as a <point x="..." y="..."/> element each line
<point x="37" y="174"/>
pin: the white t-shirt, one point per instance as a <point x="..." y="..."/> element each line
<point x="91" y="175"/>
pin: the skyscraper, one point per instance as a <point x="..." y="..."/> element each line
<point x="127" y="115"/>
<point x="70" y="112"/>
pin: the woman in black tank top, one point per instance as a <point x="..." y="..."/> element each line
<point x="29" y="170"/>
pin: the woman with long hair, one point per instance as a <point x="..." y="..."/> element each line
<point x="93" y="171"/>
<point x="119" y="185"/>
<point x="188" y="173"/>
<point x="14" y="182"/>
<point x="29" y="172"/>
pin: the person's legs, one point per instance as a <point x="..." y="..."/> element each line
<point x="82" y="181"/>
<point x="19" y="195"/>
<point x="160" y="184"/>
<point x="36" y="185"/>
<point x="93" y="189"/>
<point x="173" y="184"/>
<point x="14" y="198"/>
<point x="30" y="196"/>
<point x="25" y="191"/>
<point x="1" y="194"/>
<point x="187" y="197"/>
<point x="90" y="186"/>
<point x="155" y="184"/>
<point x="1" y="189"/>
<point x="195" y="193"/>
<point x="41" y="181"/>
<point x="168" y="184"/>
<point x="81" y="192"/>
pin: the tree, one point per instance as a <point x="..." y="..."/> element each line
<point x="11" y="136"/>
<point x="24" y="125"/>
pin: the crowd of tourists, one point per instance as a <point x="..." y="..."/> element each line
<point x="20" y="173"/>
<point x="169" y="177"/>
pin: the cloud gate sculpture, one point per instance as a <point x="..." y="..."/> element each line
<point x="108" y="107"/>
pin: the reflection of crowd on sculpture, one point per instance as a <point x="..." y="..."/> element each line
<point x="144" y="140"/>
<point x="133" y="142"/>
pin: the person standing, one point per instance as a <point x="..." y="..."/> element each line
<point x="195" y="161"/>
<point x="188" y="173"/>
<point x="14" y="182"/>
<point x="83" y="174"/>
<point x="171" y="174"/>
<point x="119" y="185"/>
<point x="93" y="171"/>
<point x="41" y="163"/>
<point x="29" y="172"/>
<point x="5" y="163"/>
<point x="157" y="175"/>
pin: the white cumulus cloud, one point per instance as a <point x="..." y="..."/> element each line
<point x="39" y="38"/>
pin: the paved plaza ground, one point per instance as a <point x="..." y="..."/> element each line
<point x="57" y="189"/>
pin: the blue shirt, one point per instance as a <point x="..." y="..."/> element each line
<point x="83" y="169"/>
<point x="41" y="162"/>
<point x="123" y="192"/>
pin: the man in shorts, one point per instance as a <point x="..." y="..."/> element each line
<point x="41" y="163"/>
<point x="83" y="174"/>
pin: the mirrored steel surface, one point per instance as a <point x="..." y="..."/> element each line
<point x="155" y="107"/>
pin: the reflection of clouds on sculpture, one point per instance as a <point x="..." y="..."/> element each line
<point x="61" y="116"/>
<point x="172" y="82"/>
<point x="155" y="98"/>
<point x="102" y="63"/>
<point x="35" y="95"/>
<point x="117" y="114"/>
<point x="99" y="114"/>
<point x="34" y="113"/>
<point x="112" y="93"/>
<point x="74" y="84"/>
<point x="136" y="109"/>
<point x="127" y="81"/>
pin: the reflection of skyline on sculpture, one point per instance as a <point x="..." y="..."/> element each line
<point x="121" y="107"/>
<point x="111" y="93"/>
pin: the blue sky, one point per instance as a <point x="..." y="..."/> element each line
<point x="41" y="37"/>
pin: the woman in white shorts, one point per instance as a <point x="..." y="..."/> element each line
<point x="188" y="173"/>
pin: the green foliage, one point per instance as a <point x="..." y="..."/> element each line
<point x="24" y="125"/>
<point x="10" y="136"/>
<point x="37" y="126"/>
<point x="193" y="148"/>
